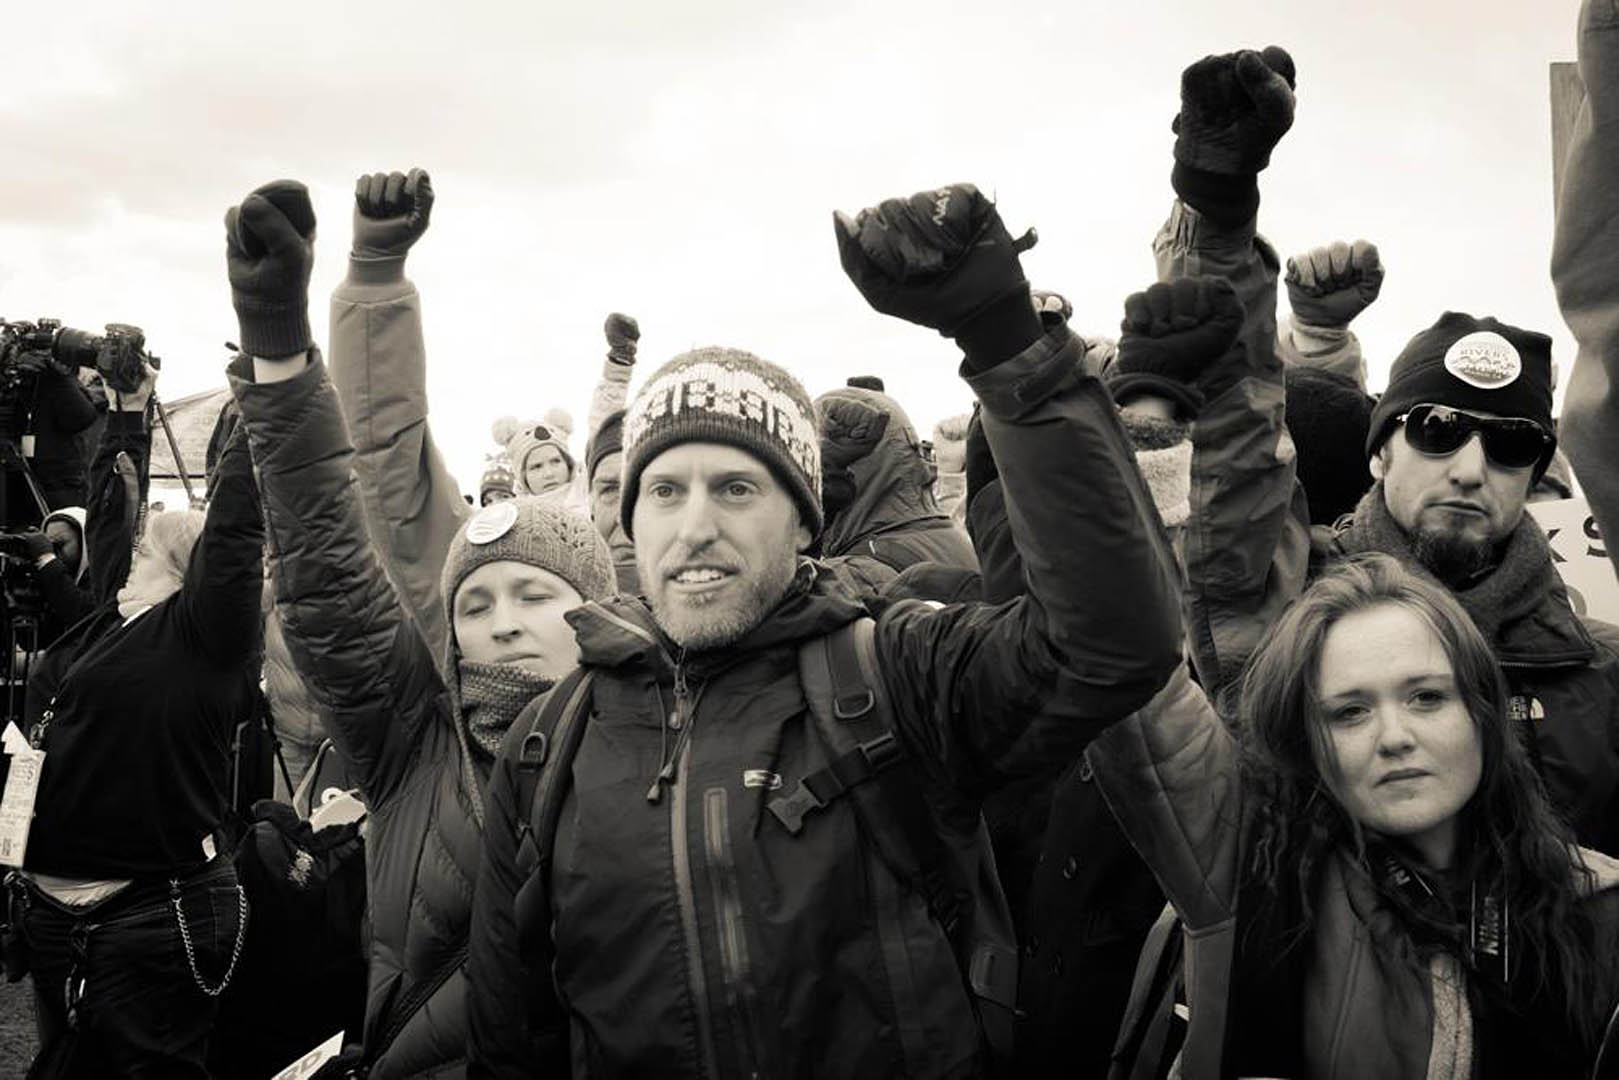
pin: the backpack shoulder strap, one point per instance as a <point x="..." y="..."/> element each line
<point x="846" y="693"/>
<point x="546" y="758"/>
<point x="851" y="715"/>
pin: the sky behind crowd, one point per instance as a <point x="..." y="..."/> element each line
<point x="680" y="162"/>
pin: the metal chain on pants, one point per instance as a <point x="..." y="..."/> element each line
<point x="185" y="938"/>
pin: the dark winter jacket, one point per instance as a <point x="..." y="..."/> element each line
<point x="894" y="521"/>
<point x="1171" y="773"/>
<point x="62" y="411"/>
<point x="391" y="714"/>
<point x="137" y="716"/>
<point x="693" y="935"/>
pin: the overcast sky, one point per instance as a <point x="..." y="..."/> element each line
<point x="680" y="161"/>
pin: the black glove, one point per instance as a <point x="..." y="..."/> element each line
<point x="391" y="211"/>
<point x="1329" y="286"/>
<point x="1174" y="334"/>
<point x="850" y="430"/>
<point x="940" y="259"/>
<point x="1235" y="108"/>
<point x="623" y="334"/>
<point x="269" y="251"/>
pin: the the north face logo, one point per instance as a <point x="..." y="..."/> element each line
<point x="1484" y="359"/>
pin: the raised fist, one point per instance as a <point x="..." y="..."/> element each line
<point x="269" y="251"/>
<point x="1174" y="335"/>
<point x="623" y="333"/>
<point x="390" y="213"/>
<point x="850" y="429"/>
<point x="1329" y="286"/>
<point x="936" y="259"/>
<point x="1235" y="108"/>
<point x="1053" y="308"/>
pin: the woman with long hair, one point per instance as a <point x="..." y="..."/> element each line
<point x="1370" y="877"/>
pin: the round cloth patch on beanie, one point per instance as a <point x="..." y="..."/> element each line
<point x="529" y="530"/>
<point x="731" y="397"/>
<point x="491" y="523"/>
<point x="1484" y="359"/>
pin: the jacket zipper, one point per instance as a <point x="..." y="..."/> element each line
<point x="682" y="718"/>
<point x="741" y="996"/>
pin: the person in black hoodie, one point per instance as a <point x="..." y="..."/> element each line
<point x="127" y="900"/>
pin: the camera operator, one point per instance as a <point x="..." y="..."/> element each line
<point x="47" y="412"/>
<point x="53" y="562"/>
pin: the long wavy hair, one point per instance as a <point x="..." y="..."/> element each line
<point x="1511" y="843"/>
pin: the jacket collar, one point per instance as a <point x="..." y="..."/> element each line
<point x="621" y="631"/>
<point x="1521" y="605"/>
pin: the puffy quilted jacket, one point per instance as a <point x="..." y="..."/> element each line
<point x="392" y="717"/>
<point x="694" y="936"/>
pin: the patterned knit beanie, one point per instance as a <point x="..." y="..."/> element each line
<point x="732" y="397"/>
<point x="527" y="530"/>
<point x="498" y="476"/>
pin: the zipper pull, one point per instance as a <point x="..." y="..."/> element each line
<point x="666" y="775"/>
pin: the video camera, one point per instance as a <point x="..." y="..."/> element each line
<point x="119" y="354"/>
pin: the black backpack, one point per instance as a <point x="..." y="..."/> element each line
<point x="867" y="764"/>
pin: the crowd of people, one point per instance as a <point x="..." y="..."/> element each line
<point x="1183" y="709"/>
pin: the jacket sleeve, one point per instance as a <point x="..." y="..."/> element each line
<point x="501" y="995"/>
<point x="412" y="504"/>
<point x="220" y="600"/>
<point x="985" y="693"/>
<point x="63" y="597"/>
<point x="118" y="486"/>
<point x="998" y="559"/>
<point x="1330" y="348"/>
<point x="1585" y="270"/>
<point x="1247" y="538"/>
<point x="1169" y="774"/>
<point x="71" y="408"/>
<point x="367" y="666"/>
<point x="612" y="391"/>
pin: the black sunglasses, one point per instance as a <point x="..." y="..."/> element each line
<point x="1511" y="442"/>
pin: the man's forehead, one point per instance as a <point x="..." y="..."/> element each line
<point x="694" y="459"/>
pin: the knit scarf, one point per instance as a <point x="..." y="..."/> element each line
<point x="1514" y="585"/>
<point x="491" y="697"/>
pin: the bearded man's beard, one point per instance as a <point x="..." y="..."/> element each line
<point x="1454" y="560"/>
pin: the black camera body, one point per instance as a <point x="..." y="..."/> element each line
<point x="119" y="354"/>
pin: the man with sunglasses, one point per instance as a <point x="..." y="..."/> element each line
<point x="1457" y="441"/>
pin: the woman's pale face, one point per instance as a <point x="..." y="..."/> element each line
<point x="1407" y="752"/>
<point x="547" y="470"/>
<point x="508" y="612"/>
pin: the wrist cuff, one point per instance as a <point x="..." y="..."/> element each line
<point x="1000" y="330"/>
<point x="376" y="270"/>
<point x="1229" y="200"/>
<point x="273" y="330"/>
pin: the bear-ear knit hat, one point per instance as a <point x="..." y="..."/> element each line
<point x="530" y="530"/>
<point x="522" y="438"/>
<point x="732" y="397"/>
<point x="1470" y="363"/>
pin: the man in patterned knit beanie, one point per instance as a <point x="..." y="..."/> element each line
<point x="711" y="906"/>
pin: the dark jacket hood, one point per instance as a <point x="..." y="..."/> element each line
<point x="893" y="484"/>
